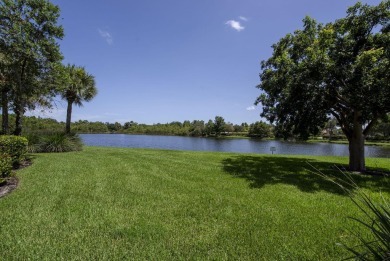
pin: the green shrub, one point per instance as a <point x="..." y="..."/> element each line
<point x="14" y="146"/>
<point x="76" y="140"/>
<point x="34" y="140"/>
<point x="59" y="142"/>
<point x="5" y="165"/>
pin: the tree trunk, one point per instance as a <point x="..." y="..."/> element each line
<point x="19" y="111"/>
<point x="4" y="110"/>
<point x="18" y="102"/>
<point x="356" y="148"/>
<point x="68" y="117"/>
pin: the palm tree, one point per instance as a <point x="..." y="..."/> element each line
<point x="80" y="87"/>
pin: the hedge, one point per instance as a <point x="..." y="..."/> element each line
<point x="14" y="146"/>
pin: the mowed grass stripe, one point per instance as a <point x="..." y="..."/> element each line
<point x="112" y="203"/>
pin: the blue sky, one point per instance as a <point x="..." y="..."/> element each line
<point x="174" y="60"/>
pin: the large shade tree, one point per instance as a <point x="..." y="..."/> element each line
<point x="79" y="87"/>
<point x="28" y="39"/>
<point x="339" y="69"/>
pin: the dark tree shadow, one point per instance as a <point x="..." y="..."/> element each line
<point x="299" y="172"/>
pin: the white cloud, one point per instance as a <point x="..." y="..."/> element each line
<point x="251" y="108"/>
<point x="106" y="36"/>
<point x="243" y="18"/>
<point x="235" y="25"/>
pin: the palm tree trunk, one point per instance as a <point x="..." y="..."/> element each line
<point x="68" y="117"/>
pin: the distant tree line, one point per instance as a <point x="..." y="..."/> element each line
<point x="197" y="128"/>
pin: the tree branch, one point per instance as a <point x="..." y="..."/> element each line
<point x="370" y="125"/>
<point x="343" y="122"/>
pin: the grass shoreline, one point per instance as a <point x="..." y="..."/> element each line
<point x="367" y="143"/>
<point x="115" y="203"/>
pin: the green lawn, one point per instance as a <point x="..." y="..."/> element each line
<point x="367" y="143"/>
<point x="139" y="204"/>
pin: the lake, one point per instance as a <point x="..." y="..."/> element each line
<point x="226" y="145"/>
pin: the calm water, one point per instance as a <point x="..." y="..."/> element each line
<point x="228" y="145"/>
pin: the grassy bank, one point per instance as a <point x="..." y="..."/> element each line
<point x="368" y="143"/>
<point x="111" y="203"/>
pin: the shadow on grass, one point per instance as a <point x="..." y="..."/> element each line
<point x="298" y="172"/>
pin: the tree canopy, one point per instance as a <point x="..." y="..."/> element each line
<point x="219" y="125"/>
<point x="28" y="43"/>
<point x="339" y="69"/>
<point x="260" y="129"/>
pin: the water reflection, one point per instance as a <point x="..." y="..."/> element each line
<point x="227" y="145"/>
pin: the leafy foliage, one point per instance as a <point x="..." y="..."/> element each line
<point x="197" y="129"/>
<point x="83" y="126"/>
<point x="34" y="140"/>
<point x="260" y="129"/>
<point x="79" y="87"/>
<point x="28" y="34"/>
<point x="382" y="130"/>
<point x="5" y="165"/>
<point x="34" y="126"/>
<point x="219" y="125"/>
<point x="58" y="142"/>
<point x="14" y="146"/>
<point x="339" y="69"/>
